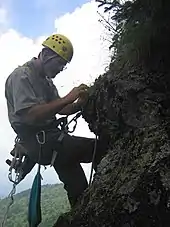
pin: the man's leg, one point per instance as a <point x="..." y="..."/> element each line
<point x="81" y="150"/>
<point x="74" y="179"/>
<point x="75" y="150"/>
<point x="70" y="153"/>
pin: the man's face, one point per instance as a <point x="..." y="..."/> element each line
<point x="52" y="63"/>
<point x="54" y="66"/>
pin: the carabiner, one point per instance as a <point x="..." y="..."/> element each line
<point x="74" y="127"/>
<point x="43" y="137"/>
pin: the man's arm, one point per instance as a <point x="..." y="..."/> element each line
<point x="41" y="112"/>
<point x="70" y="109"/>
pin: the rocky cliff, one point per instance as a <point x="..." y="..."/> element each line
<point x="129" y="108"/>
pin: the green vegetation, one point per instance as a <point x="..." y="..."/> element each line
<point x="53" y="202"/>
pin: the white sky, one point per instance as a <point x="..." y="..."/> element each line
<point x="90" y="59"/>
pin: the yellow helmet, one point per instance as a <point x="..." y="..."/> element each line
<point x="61" y="45"/>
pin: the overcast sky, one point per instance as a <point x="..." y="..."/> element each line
<point x="23" y="26"/>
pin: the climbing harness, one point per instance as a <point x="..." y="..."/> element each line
<point x="19" y="152"/>
<point x="34" y="211"/>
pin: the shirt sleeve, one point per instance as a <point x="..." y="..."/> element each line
<point x="22" y="92"/>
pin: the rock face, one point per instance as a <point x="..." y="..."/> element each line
<point x="132" y="183"/>
<point x="130" y="110"/>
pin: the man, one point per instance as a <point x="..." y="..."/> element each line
<point x="33" y="101"/>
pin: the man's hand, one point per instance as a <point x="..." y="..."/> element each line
<point x="76" y="92"/>
<point x="84" y="87"/>
<point x="82" y="99"/>
<point x="83" y="96"/>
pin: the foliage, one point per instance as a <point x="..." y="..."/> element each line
<point x="53" y="201"/>
<point x="141" y="32"/>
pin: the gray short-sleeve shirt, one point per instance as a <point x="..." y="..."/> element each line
<point x="24" y="88"/>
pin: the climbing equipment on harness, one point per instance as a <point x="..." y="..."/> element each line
<point x="19" y="153"/>
<point x="65" y="128"/>
<point x="63" y="122"/>
<point x="75" y="120"/>
<point x="34" y="209"/>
